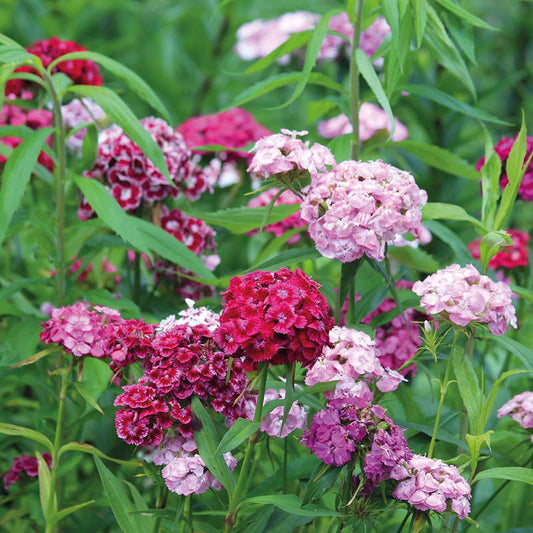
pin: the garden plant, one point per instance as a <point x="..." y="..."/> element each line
<point x="266" y="269"/>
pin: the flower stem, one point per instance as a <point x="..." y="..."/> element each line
<point x="443" y="389"/>
<point x="60" y="175"/>
<point x="160" y="503"/>
<point x="243" y="475"/>
<point x="354" y="81"/>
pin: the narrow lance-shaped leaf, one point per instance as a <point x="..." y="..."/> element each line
<point x="420" y="15"/>
<point x="512" y="473"/>
<point x="441" y="211"/>
<point x="16" y="175"/>
<point x="122" y="115"/>
<point x="462" y="13"/>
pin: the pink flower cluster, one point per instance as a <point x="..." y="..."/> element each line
<point x="513" y="256"/>
<point x="429" y="484"/>
<point x="199" y="238"/>
<point x="132" y="177"/>
<point x="351" y="428"/>
<point x="358" y="207"/>
<point x="77" y="112"/>
<point x="80" y="71"/>
<point x="180" y="360"/>
<point x="82" y="330"/>
<point x="273" y="421"/>
<point x="258" y="38"/>
<point x="185" y="471"/>
<point x="285" y="156"/>
<point x="279" y="317"/>
<point x="351" y="357"/>
<point x="463" y="296"/>
<point x="519" y="408"/>
<point x="25" y="464"/>
<point x="235" y="128"/>
<point x="35" y="119"/>
<point x="503" y="149"/>
<point x="371" y="120"/>
<point x="395" y="341"/>
<point x="291" y="222"/>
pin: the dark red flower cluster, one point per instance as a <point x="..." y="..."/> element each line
<point x="234" y="128"/>
<point x="503" y="149"/>
<point x="279" y="317"/>
<point x="199" y="238"/>
<point x="36" y="119"/>
<point x="25" y="464"/>
<point x="132" y="177"/>
<point x="183" y="361"/>
<point x="511" y="256"/>
<point x="80" y="71"/>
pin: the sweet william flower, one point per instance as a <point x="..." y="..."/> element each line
<point x="25" y="464"/>
<point x="520" y="409"/>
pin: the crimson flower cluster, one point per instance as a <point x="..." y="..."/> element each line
<point x="503" y="149"/>
<point x="234" y="128"/>
<point x="179" y="361"/>
<point x="349" y="428"/>
<point x="35" y="119"/>
<point x="513" y="256"/>
<point x="25" y="464"/>
<point x="278" y="317"/>
<point x="132" y="177"/>
<point x="80" y="71"/>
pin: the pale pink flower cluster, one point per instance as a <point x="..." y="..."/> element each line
<point x="258" y="38"/>
<point x="273" y="421"/>
<point x="185" y="471"/>
<point x="463" y="295"/>
<point x="371" y="120"/>
<point x="519" y="408"/>
<point x="77" y="112"/>
<point x="350" y="360"/>
<point x="358" y="207"/>
<point x="429" y="484"/>
<point x="283" y="153"/>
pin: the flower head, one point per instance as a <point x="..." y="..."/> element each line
<point x="25" y="464"/>
<point x="463" y="296"/>
<point x="358" y="207"/>
<point x="519" y="408"/>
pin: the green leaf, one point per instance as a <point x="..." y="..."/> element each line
<point x="295" y="41"/>
<point x="121" y="114"/>
<point x="439" y="158"/>
<point x="44" y="484"/>
<point x="118" y="499"/>
<point x="490" y="245"/>
<point x="4" y="39"/>
<point x="469" y="387"/>
<point x="515" y="169"/>
<point x="512" y="473"/>
<point x="369" y="74"/>
<point x="91" y="450"/>
<point x="465" y="15"/>
<point x="16" y="175"/>
<point x="19" y="431"/>
<point x="290" y="503"/>
<point x="521" y="291"/>
<point x="286" y="258"/>
<point x="321" y="481"/>
<point x="524" y="353"/>
<point x="490" y="182"/>
<point x="142" y="513"/>
<point x="89" y="148"/>
<point x="415" y="258"/>
<point x="237" y="434"/>
<point x="86" y="395"/>
<point x="132" y="80"/>
<point x="419" y="8"/>
<point x="206" y="440"/>
<point x="440" y="211"/>
<point x="311" y="54"/>
<point x="96" y="376"/>
<point x="69" y="510"/>
<point x="450" y="238"/>
<point x="408" y="302"/>
<point x="244" y="219"/>
<point x="444" y="99"/>
<point x="369" y="301"/>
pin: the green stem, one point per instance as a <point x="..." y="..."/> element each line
<point x="404" y="521"/>
<point x="60" y="180"/>
<point x="354" y="81"/>
<point x="160" y="503"/>
<point x="53" y="498"/>
<point x="243" y="475"/>
<point x="443" y="389"/>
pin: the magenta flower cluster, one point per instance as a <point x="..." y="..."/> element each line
<point x="25" y="464"/>
<point x="429" y="484"/>
<point x="184" y="470"/>
<point x="519" y="408"/>
<point x="133" y="178"/>
<point x="358" y="207"/>
<point x="285" y="156"/>
<point x="371" y="120"/>
<point x="351" y="357"/>
<point x="463" y="296"/>
<point x="291" y="222"/>
<point x="349" y="428"/>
